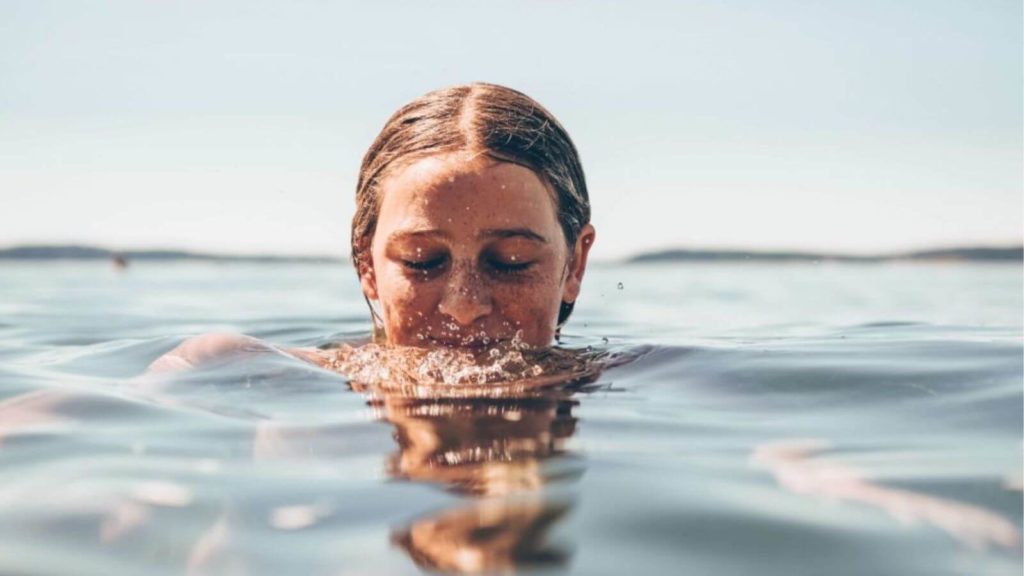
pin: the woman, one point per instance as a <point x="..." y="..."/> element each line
<point x="472" y="228"/>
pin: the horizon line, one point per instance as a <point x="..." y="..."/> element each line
<point x="101" y="251"/>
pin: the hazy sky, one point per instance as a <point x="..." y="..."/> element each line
<point x="239" y="126"/>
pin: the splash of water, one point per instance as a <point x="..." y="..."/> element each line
<point x="506" y="369"/>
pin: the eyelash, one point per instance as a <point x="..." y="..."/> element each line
<point x="509" y="269"/>
<point x="425" y="265"/>
<point x="499" y="267"/>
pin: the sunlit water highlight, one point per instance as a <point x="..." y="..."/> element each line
<point x="726" y="419"/>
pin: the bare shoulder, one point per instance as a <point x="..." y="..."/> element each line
<point x="321" y="358"/>
<point x="328" y="358"/>
<point x="206" y="348"/>
<point x="222" y="346"/>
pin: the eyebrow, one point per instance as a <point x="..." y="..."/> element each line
<point x="488" y="233"/>
<point x="513" y="233"/>
<point x="417" y="233"/>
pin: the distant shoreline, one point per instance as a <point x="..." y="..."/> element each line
<point x="1014" y="254"/>
<point x="78" y="252"/>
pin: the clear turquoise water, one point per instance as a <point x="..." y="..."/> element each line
<point x="902" y="382"/>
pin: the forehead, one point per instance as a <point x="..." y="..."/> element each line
<point x="454" y="192"/>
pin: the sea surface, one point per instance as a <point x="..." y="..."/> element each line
<point x="757" y="419"/>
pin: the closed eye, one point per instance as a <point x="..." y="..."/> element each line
<point x="503" y="267"/>
<point x="424" y="265"/>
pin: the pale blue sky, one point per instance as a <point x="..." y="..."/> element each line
<point x="239" y="126"/>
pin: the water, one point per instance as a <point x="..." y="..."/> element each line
<point x="776" y="419"/>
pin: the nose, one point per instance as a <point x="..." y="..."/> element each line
<point x="467" y="298"/>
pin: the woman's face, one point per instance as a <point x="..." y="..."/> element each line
<point x="468" y="252"/>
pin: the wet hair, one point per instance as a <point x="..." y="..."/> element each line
<point x="478" y="118"/>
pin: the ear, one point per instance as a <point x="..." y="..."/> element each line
<point x="368" y="280"/>
<point x="578" y="264"/>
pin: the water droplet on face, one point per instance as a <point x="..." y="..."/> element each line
<point x="621" y="286"/>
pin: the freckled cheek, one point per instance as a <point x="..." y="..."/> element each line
<point x="533" y="310"/>
<point x="408" y="308"/>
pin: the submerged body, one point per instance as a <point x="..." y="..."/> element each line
<point x="684" y="459"/>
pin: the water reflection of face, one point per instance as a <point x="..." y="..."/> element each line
<point x="468" y="251"/>
<point x="480" y="447"/>
<point x="502" y="453"/>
